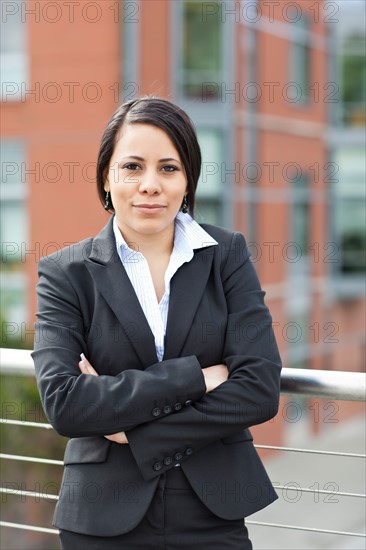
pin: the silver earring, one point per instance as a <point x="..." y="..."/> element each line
<point x="185" y="205"/>
<point x="106" y="201"/>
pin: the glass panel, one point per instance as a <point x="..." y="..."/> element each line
<point x="350" y="222"/>
<point x="353" y="67"/>
<point x="12" y="156"/>
<point x="301" y="226"/>
<point x="350" y="214"/>
<point x="208" y="212"/>
<point x="14" y="229"/>
<point x="12" y="35"/>
<point x="300" y="60"/>
<point x="210" y="186"/>
<point x="298" y="254"/>
<point x="202" y="49"/>
<point x="13" y="309"/>
<point x="349" y="180"/>
<point x="13" y="57"/>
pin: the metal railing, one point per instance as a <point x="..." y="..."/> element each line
<point x="335" y="385"/>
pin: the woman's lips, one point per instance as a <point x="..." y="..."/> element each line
<point x="149" y="208"/>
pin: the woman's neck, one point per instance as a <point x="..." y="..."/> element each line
<point x="150" y="245"/>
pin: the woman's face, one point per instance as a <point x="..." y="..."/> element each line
<point x="146" y="181"/>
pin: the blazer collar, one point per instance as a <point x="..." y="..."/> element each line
<point x="103" y="248"/>
<point x="110" y="277"/>
<point x="113" y="283"/>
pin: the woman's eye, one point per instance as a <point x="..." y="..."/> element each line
<point x="169" y="168"/>
<point x="131" y="166"/>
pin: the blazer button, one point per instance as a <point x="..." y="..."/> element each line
<point x="178" y="456"/>
<point x="156" y="411"/>
<point x="188" y="451"/>
<point x="167" y="460"/>
<point x="178" y="406"/>
<point x="188" y="402"/>
<point x="157" y="466"/>
<point x="167" y="409"/>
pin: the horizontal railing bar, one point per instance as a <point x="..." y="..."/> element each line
<point x="310" y="451"/>
<point x="16" y="361"/>
<point x="336" y="385"/>
<point x="321" y="384"/>
<point x="29" y="527"/>
<point x="257" y="446"/>
<point x="287" y="488"/>
<point x="31" y="459"/>
<point x="247" y="522"/>
<point x="33" y="494"/>
<point x="320" y="491"/>
<point x="26" y="424"/>
<point x="299" y="528"/>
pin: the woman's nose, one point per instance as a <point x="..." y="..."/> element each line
<point x="150" y="184"/>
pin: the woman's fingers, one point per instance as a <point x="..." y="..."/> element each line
<point x="119" y="437"/>
<point x="86" y="367"/>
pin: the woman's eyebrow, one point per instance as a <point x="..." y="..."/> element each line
<point x="142" y="159"/>
<point x="168" y="159"/>
<point x="132" y="157"/>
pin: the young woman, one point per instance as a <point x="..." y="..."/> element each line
<point x="154" y="353"/>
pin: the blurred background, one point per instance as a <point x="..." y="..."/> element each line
<point x="276" y="90"/>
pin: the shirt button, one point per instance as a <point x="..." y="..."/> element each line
<point x="188" y="451"/>
<point x="178" y="406"/>
<point x="157" y="466"/>
<point x="188" y="402"/>
<point x="167" y="409"/>
<point x="156" y="411"/>
<point x="178" y="456"/>
<point x="168" y="460"/>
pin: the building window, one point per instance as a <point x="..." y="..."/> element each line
<point x="14" y="231"/>
<point x="202" y="50"/>
<point x="300" y="61"/>
<point x="353" y="77"/>
<point x="350" y="210"/>
<point x="209" y="190"/>
<point x="13" y="57"/>
<point x="298" y="254"/>
<point x="301" y="223"/>
<point x="296" y="335"/>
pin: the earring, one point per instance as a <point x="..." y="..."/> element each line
<point x="106" y="201"/>
<point x="185" y="205"/>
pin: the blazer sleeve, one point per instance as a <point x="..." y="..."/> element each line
<point x="80" y="405"/>
<point x="250" y="395"/>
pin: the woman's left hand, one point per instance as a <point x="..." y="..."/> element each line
<point x="87" y="368"/>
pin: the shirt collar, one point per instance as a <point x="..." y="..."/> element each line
<point x="188" y="236"/>
<point x="189" y="233"/>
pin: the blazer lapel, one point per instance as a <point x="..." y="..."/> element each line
<point x="109" y="275"/>
<point x="186" y="289"/>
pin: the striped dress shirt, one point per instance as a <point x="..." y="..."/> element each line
<point x="188" y="237"/>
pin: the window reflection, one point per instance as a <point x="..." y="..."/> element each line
<point x="13" y="225"/>
<point x="13" y="56"/>
<point x="202" y="51"/>
<point x="300" y="58"/>
<point x="210" y="186"/>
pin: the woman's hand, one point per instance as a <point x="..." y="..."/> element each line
<point x="214" y="376"/>
<point x="86" y="368"/>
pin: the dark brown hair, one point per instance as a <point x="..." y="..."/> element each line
<point x="164" y="115"/>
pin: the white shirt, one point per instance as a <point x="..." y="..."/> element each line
<point x="188" y="236"/>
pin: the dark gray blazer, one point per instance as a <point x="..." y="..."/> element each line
<point x="86" y="303"/>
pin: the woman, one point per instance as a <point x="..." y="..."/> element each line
<point x="178" y="358"/>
